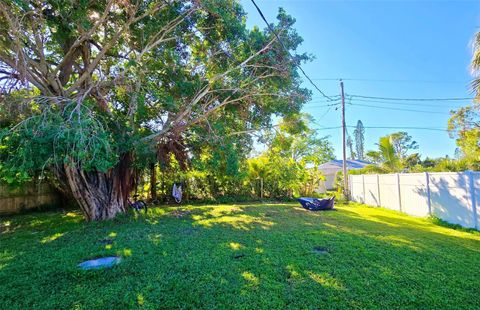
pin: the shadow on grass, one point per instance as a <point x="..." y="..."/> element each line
<point x="250" y="256"/>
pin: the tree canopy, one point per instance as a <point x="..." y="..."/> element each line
<point x="464" y="123"/>
<point x="393" y="153"/>
<point x="290" y="163"/>
<point x="93" y="91"/>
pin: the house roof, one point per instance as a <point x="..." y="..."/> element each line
<point x="337" y="164"/>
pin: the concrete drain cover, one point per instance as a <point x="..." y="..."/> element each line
<point x="320" y="250"/>
<point x="100" y="263"/>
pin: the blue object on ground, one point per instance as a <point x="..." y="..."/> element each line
<point x="314" y="204"/>
<point x="100" y="263"/>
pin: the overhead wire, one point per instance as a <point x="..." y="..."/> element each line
<point x="411" y="99"/>
<point x="405" y="128"/>
<point x="396" y="109"/>
<point x="440" y="104"/>
<point x="324" y="105"/>
<point x="392" y="80"/>
<point x="325" y="114"/>
<point x="364" y="98"/>
<point x="387" y="127"/>
<point x="287" y="51"/>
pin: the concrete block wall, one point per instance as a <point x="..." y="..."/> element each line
<point x="28" y="196"/>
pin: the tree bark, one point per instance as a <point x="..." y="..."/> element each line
<point x="100" y="195"/>
<point x="153" y="182"/>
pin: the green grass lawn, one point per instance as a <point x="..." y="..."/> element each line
<point x="239" y="256"/>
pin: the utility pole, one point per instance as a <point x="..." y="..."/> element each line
<point x="344" y="133"/>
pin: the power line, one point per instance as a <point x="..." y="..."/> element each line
<point x="329" y="79"/>
<point x="328" y="128"/>
<point x="411" y="99"/>
<point x="388" y="108"/>
<point x="392" y="80"/>
<point x="404" y="128"/>
<point x="334" y="98"/>
<point x="324" y="105"/>
<point x="324" y="114"/>
<point x="396" y="109"/>
<point x="287" y="51"/>
<point x="330" y="96"/>
<point x="388" y="127"/>
<point x="379" y="105"/>
<point x="437" y="104"/>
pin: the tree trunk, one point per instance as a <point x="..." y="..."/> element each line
<point x="100" y="195"/>
<point x="153" y="182"/>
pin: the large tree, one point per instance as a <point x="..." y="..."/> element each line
<point x="106" y="87"/>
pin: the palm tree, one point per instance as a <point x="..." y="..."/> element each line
<point x="390" y="159"/>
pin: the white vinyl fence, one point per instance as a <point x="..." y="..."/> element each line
<point x="451" y="196"/>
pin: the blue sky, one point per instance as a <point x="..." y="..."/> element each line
<point x="411" y="49"/>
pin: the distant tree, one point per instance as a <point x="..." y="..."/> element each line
<point x="350" y="147"/>
<point x="403" y="143"/>
<point x="359" y="134"/>
<point x="297" y="140"/>
<point x="386" y="156"/>
<point x="464" y="123"/>
<point x="464" y="126"/>
<point x="390" y="157"/>
<point x="413" y="160"/>
<point x="290" y="163"/>
<point x="429" y="162"/>
<point x="373" y="157"/>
